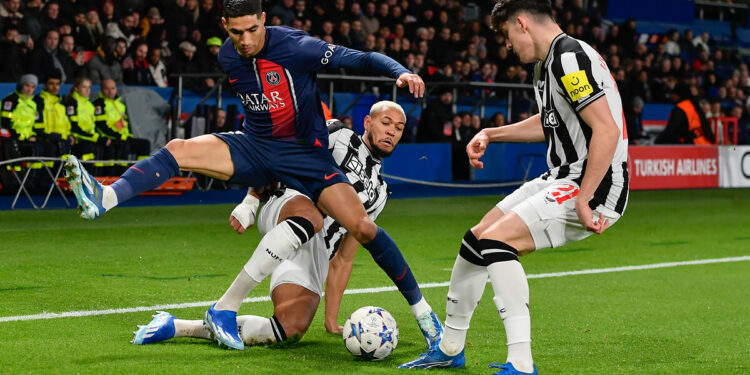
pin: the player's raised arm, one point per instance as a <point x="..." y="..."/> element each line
<point x="529" y="130"/>
<point x="314" y="54"/>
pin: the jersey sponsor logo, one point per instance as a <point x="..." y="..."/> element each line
<point x="577" y="85"/>
<point x="355" y="165"/>
<point x="262" y="102"/>
<point x="273" y="78"/>
<point x="7" y="106"/>
<point x="327" y="54"/>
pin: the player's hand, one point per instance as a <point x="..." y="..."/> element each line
<point x="415" y="83"/>
<point x="475" y="149"/>
<point x="334" y="328"/>
<point x="586" y="216"/>
<point x="243" y="216"/>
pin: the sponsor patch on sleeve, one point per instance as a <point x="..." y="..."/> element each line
<point x="7" y="106"/>
<point x="577" y="85"/>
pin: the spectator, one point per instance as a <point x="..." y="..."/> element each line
<point x="157" y="67"/>
<point x="209" y="20"/>
<point x="83" y="35"/>
<point x="32" y="15"/>
<point x="185" y="62"/>
<point x="15" y="55"/>
<point x="108" y="13"/>
<point x="497" y="120"/>
<point x="672" y="46"/>
<point x="126" y="29"/>
<point x="178" y="14"/>
<point x="634" y="121"/>
<point x="73" y="66"/>
<point x="284" y="10"/>
<point x="436" y="117"/>
<point x="11" y="16"/>
<point x="135" y="69"/>
<point x="743" y="126"/>
<point x="210" y="63"/>
<point x="687" y="121"/>
<point x="460" y="137"/>
<point x="370" y="22"/>
<point x="701" y="42"/>
<point x="104" y="64"/>
<point x="44" y="60"/>
<point x="50" y="17"/>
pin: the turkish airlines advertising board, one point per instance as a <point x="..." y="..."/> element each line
<point x="673" y="167"/>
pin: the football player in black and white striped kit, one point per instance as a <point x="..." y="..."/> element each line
<point x="584" y="191"/>
<point x="297" y="282"/>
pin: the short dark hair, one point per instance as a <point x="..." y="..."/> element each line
<point x="240" y="8"/>
<point x="507" y="9"/>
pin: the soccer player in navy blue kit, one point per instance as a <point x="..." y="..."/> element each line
<point x="284" y="138"/>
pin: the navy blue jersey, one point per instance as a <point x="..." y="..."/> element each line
<point x="278" y="87"/>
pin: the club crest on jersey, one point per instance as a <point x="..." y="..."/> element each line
<point x="550" y="119"/>
<point x="577" y="85"/>
<point x="273" y="78"/>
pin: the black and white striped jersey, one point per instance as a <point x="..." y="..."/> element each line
<point x="571" y="77"/>
<point x="363" y="171"/>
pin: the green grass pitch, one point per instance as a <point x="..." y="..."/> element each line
<point x="691" y="319"/>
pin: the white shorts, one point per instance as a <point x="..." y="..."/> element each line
<point x="548" y="209"/>
<point x="308" y="266"/>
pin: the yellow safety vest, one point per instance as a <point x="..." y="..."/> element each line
<point x="82" y="113"/>
<point x="55" y="119"/>
<point x="22" y="113"/>
<point x="113" y="113"/>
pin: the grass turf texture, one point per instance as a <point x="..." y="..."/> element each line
<point x="690" y="319"/>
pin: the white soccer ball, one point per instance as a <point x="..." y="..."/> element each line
<point x="370" y="333"/>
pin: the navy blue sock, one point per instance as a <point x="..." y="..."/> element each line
<point x="146" y="175"/>
<point x="387" y="255"/>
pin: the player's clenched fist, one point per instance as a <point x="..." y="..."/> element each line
<point x="475" y="149"/>
<point x="415" y="83"/>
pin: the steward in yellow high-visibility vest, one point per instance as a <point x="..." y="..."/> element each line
<point x="56" y="124"/>
<point x="112" y="125"/>
<point x="20" y="113"/>
<point x="80" y="112"/>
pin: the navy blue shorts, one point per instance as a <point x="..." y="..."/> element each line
<point x="262" y="161"/>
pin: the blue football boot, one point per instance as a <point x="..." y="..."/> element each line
<point x="223" y="326"/>
<point x="160" y="328"/>
<point x="431" y="328"/>
<point x="88" y="191"/>
<point x="508" y="369"/>
<point x="435" y="358"/>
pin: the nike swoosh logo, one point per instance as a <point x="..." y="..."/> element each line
<point x="233" y="80"/>
<point x="330" y="176"/>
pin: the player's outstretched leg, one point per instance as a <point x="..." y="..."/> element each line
<point x="160" y="328"/>
<point x="88" y="191"/>
<point x="467" y="284"/>
<point x="277" y="245"/>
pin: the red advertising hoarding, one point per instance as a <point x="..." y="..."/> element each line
<point x="673" y="167"/>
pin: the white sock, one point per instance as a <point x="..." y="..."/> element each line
<point x="256" y="330"/>
<point x="109" y="198"/>
<point x="467" y="285"/>
<point x="420" y="308"/>
<point x="191" y="328"/>
<point x="241" y="286"/>
<point x="512" y="300"/>
<point x="276" y="246"/>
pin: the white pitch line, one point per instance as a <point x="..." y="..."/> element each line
<point x="175" y="306"/>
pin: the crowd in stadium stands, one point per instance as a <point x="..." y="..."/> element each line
<point x="443" y="41"/>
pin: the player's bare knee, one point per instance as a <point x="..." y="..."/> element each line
<point x="314" y="217"/>
<point x="176" y="147"/>
<point x="364" y="230"/>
